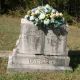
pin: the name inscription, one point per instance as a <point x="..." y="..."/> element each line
<point x="40" y="61"/>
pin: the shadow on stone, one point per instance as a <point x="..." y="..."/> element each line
<point x="74" y="58"/>
<point x="60" y="31"/>
<point x="57" y="31"/>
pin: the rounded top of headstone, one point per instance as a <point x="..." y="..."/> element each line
<point x="23" y="20"/>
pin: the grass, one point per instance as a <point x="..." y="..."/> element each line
<point x="65" y="75"/>
<point x="9" y="32"/>
<point x="74" y="38"/>
<point x="3" y="65"/>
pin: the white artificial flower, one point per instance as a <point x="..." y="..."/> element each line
<point x="52" y="15"/>
<point x="32" y="18"/>
<point x="46" y="21"/>
<point x="47" y="6"/>
<point x="26" y="16"/>
<point x="33" y="10"/>
<point x="57" y="14"/>
<point x="42" y="16"/>
<point x="39" y="7"/>
<point x="37" y="12"/>
<point x="36" y="19"/>
<point x="46" y="10"/>
<point x="53" y="10"/>
<point x="52" y="20"/>
<point x="32" y="13"/>
<point x="61" y="14"/>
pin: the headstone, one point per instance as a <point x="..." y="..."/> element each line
<point x="37" y="51"/>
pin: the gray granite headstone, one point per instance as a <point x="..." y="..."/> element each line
<point x="37" y="51"/>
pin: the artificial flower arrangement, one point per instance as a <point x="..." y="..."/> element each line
<point x="45" y="16"/>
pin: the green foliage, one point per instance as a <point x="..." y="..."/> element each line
<point x="17" y="13"/>
<point x="15" y="7"/>
<point x="68" y="18"/>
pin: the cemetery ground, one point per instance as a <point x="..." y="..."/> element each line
<point x="9" y="32"/>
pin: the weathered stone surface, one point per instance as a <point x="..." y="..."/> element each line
<point x="55" y="45"/>
<point x="36" y="50"/>
<point x="39" y="63"/>
<point x="32" y="39"/>
<point x="41" y="60"/>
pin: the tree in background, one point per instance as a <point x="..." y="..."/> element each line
<point x="71" y="7"/>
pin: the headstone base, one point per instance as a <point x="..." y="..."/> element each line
<point x="25" y="63"/>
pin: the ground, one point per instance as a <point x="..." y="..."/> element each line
<point x="9" y="32"/>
